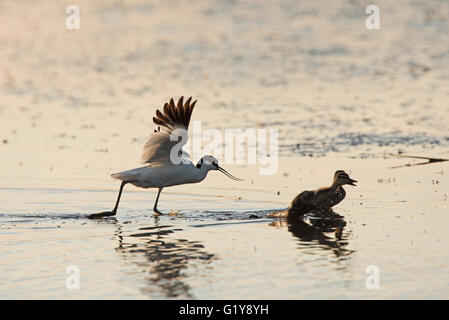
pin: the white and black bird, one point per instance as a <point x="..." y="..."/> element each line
<point x="167" y="164"/>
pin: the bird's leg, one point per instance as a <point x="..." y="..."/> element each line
<point x="155" y="204"/>
<point x="114" y="211"/>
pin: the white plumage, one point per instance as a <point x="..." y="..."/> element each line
<point x="159" y="176"/>
<point x="168" y="165"/>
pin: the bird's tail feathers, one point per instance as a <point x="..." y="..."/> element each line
<point x="125" y="175"/>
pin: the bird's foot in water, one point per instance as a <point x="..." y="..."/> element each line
<point x="157" y="213"/>
<point x="101" y="215"/>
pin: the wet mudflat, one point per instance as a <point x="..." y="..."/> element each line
<point x="77" y="105"/>
<point x="216" y="248"/>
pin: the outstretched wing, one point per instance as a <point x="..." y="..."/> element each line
<point x="174" y="120"/>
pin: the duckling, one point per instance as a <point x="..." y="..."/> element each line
<point x="321" y="199"/>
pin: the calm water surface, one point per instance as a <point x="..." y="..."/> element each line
<point x="76" y="106"/>
<point x="393" y="221"/>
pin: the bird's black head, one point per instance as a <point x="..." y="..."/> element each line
<point x="211" y="163"/>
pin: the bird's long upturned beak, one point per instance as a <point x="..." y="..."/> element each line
<point x="228" y="174"/>
<point x="352" y="182"/>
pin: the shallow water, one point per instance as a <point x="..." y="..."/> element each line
<point x="213" y="249"/>
<point x="76" y="106"/>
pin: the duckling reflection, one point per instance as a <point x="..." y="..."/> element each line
<point x="314" y="231"/>
<point x="322" y="199"/>
<point x="164" y="260"/>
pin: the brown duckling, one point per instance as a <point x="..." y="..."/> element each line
<point x="321" y="199"/>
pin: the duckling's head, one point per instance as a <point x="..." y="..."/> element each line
<point x="342" y="178"/>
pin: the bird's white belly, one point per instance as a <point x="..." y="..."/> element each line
<point x="166" y="176"/>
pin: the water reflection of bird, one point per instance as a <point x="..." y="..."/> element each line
<point x="164" y="259"/>
<point x="167" y="163"/>
<point x="321" y="199"/>
<point x="314" y="231"/>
